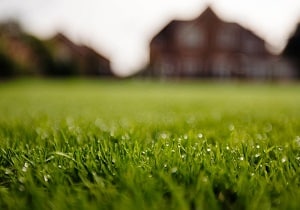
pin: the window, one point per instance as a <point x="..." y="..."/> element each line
<point x="190" y="36"/>
<point x="222" y="66"/>
<point x="250" y="45"/>
<point x="226" y="37"/>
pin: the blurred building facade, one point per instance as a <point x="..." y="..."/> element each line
<point x="27" y="55"/>
<point x="208" y="47"/>
<point x="80" y="59"/>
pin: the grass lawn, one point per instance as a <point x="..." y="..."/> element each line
<point x="80" y="144"/>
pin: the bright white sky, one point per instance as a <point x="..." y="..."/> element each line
<point x="121" y="29"/>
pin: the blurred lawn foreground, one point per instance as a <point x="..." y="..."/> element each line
<point x="101" y="144"/>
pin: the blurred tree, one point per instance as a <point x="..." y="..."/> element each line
<point x="292" y="49"/>
<point x="45" y="60"/>
<point x="63" y="68"/>
<point x="7" y="67"/>
<point x="17" y="56"/>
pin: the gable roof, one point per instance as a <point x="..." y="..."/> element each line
<point x="207" y="16"/>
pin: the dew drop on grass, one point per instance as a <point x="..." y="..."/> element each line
<point x="257" y="146"/>
<point x="21" y="179"/>
<point x="297" y="141"/>
<point x="38" y="131"/>
<point x="70" y="121"/>
<point x="185" y="137"/>
<point x="191" y="120"/>
<point x="8" y="171"/>
<point x="284" y="159"/>
<point x="231" y="127"/>
<point x="257" y="155"/>
<point x="125" y="136"/>
<point x="200" y="135"/>
<point x="241" y="158"/>
<point x="21" y="188"/>
<point x="268" y="128"/>
<point x="25" y="167"/>
<point x="46" y="177"/>
<point x="112" y="134"/>
<point x="259" y="136"/>
<point x="227" y="148"/>
<point x="50" y="158"/>
<point x="164" y="135"/>
<point x="204" y="179"/>
<point x="174" y="170"/>
<point x="208" y="149"/>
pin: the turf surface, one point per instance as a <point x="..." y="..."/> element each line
<point x="79" y="144"/>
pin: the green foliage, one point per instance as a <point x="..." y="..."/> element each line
<point x="292" y="49"/>
<point x="7" y="67"/>
<point x="145" y="145"/>
<point x="22" y="54"/>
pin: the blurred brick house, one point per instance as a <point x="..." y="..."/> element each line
<point x="79" y="58"/>
<point x="209" y="47"/>
<point x="25" y="54"/>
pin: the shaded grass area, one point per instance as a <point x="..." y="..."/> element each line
<point x="79" y="144"/>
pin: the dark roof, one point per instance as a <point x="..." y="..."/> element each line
<point x="207" y="15"/>
<point x="168" y="29"/>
